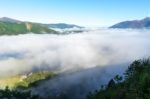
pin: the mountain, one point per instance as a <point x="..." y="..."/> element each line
<point x="6" y="19"/>
<point x="144" y="23"/>
<point x="63" y="25"/>
<point x="10" y="26"/>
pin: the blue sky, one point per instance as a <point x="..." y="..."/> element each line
<point x="81" y="12"/>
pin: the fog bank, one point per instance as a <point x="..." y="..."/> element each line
<point x="97" y="55"/>
<point x="23" y="53"/>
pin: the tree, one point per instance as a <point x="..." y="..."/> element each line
<point x="111" y="83"/>
<point x="136" y="84"/>
<point x="118" y="78"/>
<point x="14" y="94"/>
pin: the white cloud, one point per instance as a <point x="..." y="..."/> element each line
<point x="102" y="47"/>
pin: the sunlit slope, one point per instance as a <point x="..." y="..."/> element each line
<point x="9" y="81"/>
<point x="25" y="81"/>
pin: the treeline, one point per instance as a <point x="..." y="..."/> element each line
<point x="135" y="83"/>
<point x="14" y="94"/>
<point x="23" y="94"/>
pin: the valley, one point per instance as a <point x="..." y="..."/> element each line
<point x="75" y="49"/>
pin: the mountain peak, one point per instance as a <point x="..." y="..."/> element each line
<point x="146" y="19"/>
<point x="143" y="23"/>
<point x="6" y="19"/>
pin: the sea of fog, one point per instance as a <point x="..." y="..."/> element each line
<point x="84" y="60"/>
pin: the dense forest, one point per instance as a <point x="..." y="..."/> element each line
<point x="134" y="84"/>
<point x="14" y="94"/>
<point x="17" y="94"/>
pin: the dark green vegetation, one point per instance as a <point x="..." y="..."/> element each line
<point x="14" y="94"/>
<point x="136" y="84"/>
<point x="9" y="28"/>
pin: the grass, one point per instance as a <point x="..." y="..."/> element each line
<point x="25" y="81"/>
<point x="10" y="82"/>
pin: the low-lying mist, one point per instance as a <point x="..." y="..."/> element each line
<point x="85" y="60"/>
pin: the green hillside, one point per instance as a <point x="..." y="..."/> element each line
<point x="25" y="81"/>
<point x="9" y="28"/>
<point x="136" y="84"/>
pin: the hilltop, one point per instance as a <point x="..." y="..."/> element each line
<point x="143" y="23"/>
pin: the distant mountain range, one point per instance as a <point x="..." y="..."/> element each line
<point x="144" y="23"/>
<point x="63" y="26"/>
<point x="9" y="26"/>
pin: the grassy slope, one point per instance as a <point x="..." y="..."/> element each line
<point x="7" y="28"/>
<point x="22" y="81"/>
<point x="9" y="81"/>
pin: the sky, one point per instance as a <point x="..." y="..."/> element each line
<point x="100" y="13"/>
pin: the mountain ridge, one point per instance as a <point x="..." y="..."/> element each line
<point x="143" y="23"/>
<point x="50" y="25"/>
<point x="63" y="25"/>
<point x="7" y="19"/>
<point x="9" y="26"/>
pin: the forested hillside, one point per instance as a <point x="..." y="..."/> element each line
<point x="135" y="85"/>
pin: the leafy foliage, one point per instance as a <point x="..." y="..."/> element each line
<point x="136" y="84"/>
